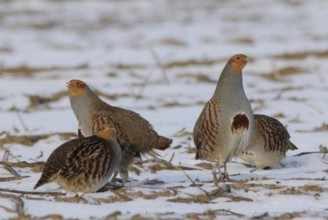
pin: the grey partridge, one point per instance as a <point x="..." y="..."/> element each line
<point x="83" y="164"/>
<point x="269" y="143"/>
<point x="137" y="131"/>
<point x="226" y="123"/>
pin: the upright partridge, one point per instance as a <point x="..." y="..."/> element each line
<point x="269" y="143"/>
<point x="83" y="164"/>
<point x="137" y="131"/>
<point x="226" y="123"/>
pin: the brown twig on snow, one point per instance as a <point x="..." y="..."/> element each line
<point x="4" y="179"/>
<point x="18" y="202"/>
<point x="147" y="78"/>
<point x="32" y="192"/>
<point x="166" y="163"/>
<point x="229" y="211"/>
<point x="7" y="153"/>
<point x="170" y="160"/>
<point x="322" y="150"/>
<point x="22" y="121"/>
<point x="195" y="184"/>
<point x="126" y="198"/>
<point x="160" y="64"/>
<point x="22" y="164"/>
<point x="11" y="170"/>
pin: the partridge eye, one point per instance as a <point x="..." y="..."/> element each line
<point x="237" y="58"/>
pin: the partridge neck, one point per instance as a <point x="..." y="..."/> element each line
<point x="229" y="83"/>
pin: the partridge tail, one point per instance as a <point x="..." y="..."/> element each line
<point x="292" y="146"/>
<point x="163" y="143"/>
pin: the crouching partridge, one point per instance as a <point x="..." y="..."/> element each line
<point x="83" y="164"/>
<point x="226" y="123"/>
<point x="269" y="143"/>
<point x="138" y="132"/>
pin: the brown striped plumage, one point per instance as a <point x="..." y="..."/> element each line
<point x="128" y="152"/>
<point x="207" y="130"/>
<point x="83" y="164"/>
<point x="225" y="125"/>
<point x="137" y="131"/>
<point x="269" y="143"/>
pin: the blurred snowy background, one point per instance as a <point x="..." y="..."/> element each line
<point x="162" y="59"/>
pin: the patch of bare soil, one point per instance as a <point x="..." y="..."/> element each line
<point x="191" y="62"/>
<point x="29" y="140"/>
<point x="28" y="71"/>
<point x="278" y="74"/>
<point x="303" y="55"/>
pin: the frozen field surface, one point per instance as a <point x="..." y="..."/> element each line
<point x="162" y="59"/>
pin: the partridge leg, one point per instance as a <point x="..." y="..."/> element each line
<point x="215" y="178"/>
<point x="124" y="174"/>
<point x="79" y="133"/>
<point x="112" y="180"/>
<point x="225" y="174"/>
<point x="222" y="176"/>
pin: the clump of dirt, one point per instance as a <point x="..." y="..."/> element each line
<point x="195" y="199"/>
<point x="113" y="215"/>
<point x="122" y="66"/>
<point x="29" y="140"/>
<point x="36" y="100"/>
<point x="28" y="71"/>
<point x="36" y="166"/>
<point x="243" y="40"/>
<point x="172" y="42"/>
<point x="276" y="75"/>
<point x="74" y="199"/>
<point x="200" y="77"/>
<point x="158" y="167"/>
<point x="323" y="127"/>
<point x="52" y="217"/>
<point x="302" y="55"/>
<point x="205" y="165"/>
<point x="191" y="62"/>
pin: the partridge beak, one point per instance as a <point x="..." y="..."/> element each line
<point x="68" y="84"/>
<point x="246" y="59"/>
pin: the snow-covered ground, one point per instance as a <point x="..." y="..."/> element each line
<point x="162" y="59"/>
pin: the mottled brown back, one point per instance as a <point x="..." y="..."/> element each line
<point x="56" y="161"/>
<point x="91" y="160"/>
<point x="139" y="131"/>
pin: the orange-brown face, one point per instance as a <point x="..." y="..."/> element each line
<point x="76" y="87"/>
<point x="105" y="131"/>
<point x="238" y="62"/>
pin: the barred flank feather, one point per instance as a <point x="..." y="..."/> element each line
<point x="206" y="130"/>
